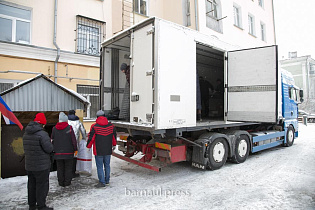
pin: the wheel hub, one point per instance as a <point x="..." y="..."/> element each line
<point x="242" y="148"/>
<point x="290" y="136"/>
<point x="218" y="152"/>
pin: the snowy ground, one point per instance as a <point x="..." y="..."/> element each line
<point x="279" y="178"/>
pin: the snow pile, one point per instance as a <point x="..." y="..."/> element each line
<point x="279" y="178"/>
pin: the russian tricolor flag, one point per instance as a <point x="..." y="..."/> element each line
<point x="8" y="115"/>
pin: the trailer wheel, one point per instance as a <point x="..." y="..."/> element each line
<point x="290" y="136"/>
<point x="241" y="151"/>
<point x="218" y="152"/>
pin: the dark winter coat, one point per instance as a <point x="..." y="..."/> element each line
<point x="102" y="136"/>
<point x="37" y="147"/>
<point x="127" y="73"/>
<point x="64" y="141"/>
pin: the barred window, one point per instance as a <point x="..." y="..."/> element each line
<point x="90" y="34"/>
<point x="91" y="93"/>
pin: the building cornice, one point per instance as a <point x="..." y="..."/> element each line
<point x="46" y="54"/>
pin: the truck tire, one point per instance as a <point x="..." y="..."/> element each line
<point x="218" y="152"/>
<point x="290" y="136"/>
<point x="242" y="148"/>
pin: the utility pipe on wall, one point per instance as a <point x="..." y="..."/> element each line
<point x="55" y="43"/>
<point x="196" y="15"/>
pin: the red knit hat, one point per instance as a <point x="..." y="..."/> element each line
<point x="40" y="118"/>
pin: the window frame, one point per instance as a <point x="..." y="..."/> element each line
<point x="15" y="19"/>
<point x="251" y="25"/>
<point x="263" y="31"/>
<point x="84" y="36"/>
<point x="213" y="13"/>
<point x="237" y="16"/>
<point x="87" y="96"/>
<point x="261" y="3"/>
<point x="137" y="2"/>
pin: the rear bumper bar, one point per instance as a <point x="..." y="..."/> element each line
<point x="144" y="165"/>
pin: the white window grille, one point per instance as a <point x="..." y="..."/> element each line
<point x="90" y="34"/>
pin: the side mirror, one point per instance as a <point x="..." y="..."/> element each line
<point x="301" y="95"/>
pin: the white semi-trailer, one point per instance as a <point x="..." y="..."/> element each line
<point x="254" y="109"/>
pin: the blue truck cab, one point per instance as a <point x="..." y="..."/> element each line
<point x="291" y="97"/>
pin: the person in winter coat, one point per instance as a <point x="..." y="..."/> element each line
<point x="78" y="128"/>
<point x="65" y="145"/>
<point x="103" y="138"/>
<point x="124" y="68"/>
<point x="37" y="149"/>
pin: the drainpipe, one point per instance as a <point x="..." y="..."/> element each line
<point x="274" y="22"/>
<point x="196" y="15"/>
<point x="55" y="43"/>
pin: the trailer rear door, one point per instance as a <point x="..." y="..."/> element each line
<point x="252" y="85"/>
<point x="141" y="75"/>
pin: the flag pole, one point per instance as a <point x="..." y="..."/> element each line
<point x="0" y="144"/>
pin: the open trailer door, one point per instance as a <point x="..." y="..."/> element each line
<point x="141" y="75"/>
<point x="252" y="85"/>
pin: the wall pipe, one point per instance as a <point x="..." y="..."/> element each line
<point x="55" y="43"/>
<point x="30" y="72"/>
<point x="196" y="15"/>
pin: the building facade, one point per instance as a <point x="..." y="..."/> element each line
<point x="61" y="39"/>
<point x="303" y="71"/>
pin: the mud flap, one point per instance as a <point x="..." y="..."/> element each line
<point x="199" y="156"/>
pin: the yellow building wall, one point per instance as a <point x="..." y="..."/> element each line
<point x="47" y="68"/>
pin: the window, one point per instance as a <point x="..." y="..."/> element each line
<point x="292" y="94"/>
<point x="263" y="31"/>
<point x="141" y="7"/>
<point x="91" y="93"/>
<point x="90" y="34"/>
<point x="251" y="25"/>
<point x="212" y="8"/>
<point x="261" y="3"/>
<point x="213" y="14"/>
<point x="15" y="24"/>
<point x="312" y="68"/>
<point x="237" y="16"/>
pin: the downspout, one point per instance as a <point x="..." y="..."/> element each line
<point x="55" y="43"/>
<point x="196" y="16"/>
<point x="274" y="22"/>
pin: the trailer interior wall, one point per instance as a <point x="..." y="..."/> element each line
<point x="114" y="80"/>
